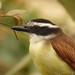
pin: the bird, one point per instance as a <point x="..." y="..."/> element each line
<point x="52" y="50"/>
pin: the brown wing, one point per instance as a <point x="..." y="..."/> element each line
<point x="65" y="48"/>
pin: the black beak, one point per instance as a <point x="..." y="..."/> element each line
<point x="21" y="28"/>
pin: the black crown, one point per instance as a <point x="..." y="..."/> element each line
<point x="40" y="20"/>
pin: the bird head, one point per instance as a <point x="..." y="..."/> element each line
<point x="41" y="28"/>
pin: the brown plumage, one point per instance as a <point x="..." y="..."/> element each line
<point x="65" y="48"/>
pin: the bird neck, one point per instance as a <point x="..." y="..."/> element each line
<point x="60" y="35"/>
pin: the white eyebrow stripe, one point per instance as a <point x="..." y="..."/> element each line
<point x="45" y="24"/>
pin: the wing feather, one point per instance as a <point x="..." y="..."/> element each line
<point x="65" y="48"/>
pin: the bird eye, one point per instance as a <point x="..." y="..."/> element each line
<point x="36" y="27"/>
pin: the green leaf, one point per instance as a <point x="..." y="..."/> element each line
<point x="7" y="20"/>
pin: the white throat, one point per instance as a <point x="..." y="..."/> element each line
<point x="36" y="38"/>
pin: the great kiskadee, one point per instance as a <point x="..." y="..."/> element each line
<point x="52" y="51"/>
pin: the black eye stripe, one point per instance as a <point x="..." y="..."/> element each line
<point x="43" y="30"/>
<point x="36" y="27"/>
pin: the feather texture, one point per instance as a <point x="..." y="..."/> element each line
<point x="65" y="48"/>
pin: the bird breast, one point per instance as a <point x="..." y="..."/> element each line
<point x="47" y="60"/>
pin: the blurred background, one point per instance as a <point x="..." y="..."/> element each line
<point x="14" y="53"/>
